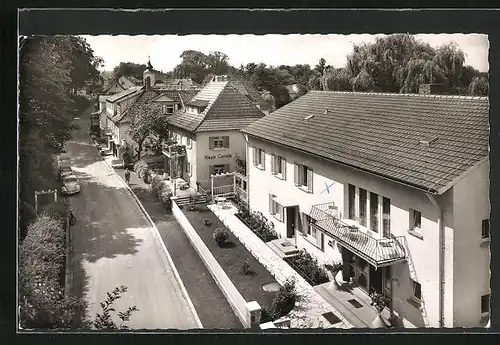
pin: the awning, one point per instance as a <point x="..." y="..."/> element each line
<point x="284" y="202"/>
<point x="378" y="252"/>
<point x="324" y="210"/>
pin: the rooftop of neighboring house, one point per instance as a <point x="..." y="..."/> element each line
<point x="147" y="97"/>
<point x="123" y="94"/>
<point x="221" y="107"/>
<point x="424" y="141"/>
<point x="181" y="84"/>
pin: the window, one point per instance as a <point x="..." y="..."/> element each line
<point x="307" y="224"/>
<point x="374" y="212"/>
<point x="303" y="177"/>
<point x="485" y="233"/>
<point x="485" y="304"/>
<point x="417" y="292"/>
<point x="218" y="169"/>
<point x="415" y="223"/>
<point x="278" y="166"/>
<point x="351" y="191"/>
<point x="362" y="207"/>
<point x="275" y="209"/>
<point x="386" y="217"/>
<point x="218" y="143"/>
<point x="170" y="109"/>
<point x="259" y="158"/>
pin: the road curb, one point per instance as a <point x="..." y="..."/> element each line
<point x="158" y="237"/>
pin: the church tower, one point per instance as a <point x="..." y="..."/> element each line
<point x="148" y="76"/>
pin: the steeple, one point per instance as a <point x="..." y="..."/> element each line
<point x="149" y="66"/>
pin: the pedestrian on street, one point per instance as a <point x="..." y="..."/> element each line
<point x="127" y="175"/>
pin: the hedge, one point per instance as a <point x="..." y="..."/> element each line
<point x="43" y="302"/>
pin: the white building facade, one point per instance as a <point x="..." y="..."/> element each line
<point x="426" y="249"/>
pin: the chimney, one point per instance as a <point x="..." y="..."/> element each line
<point x="432" y="89"/>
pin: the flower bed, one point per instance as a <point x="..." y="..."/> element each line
<point x="256" y="222"/>
<point x="247" y="273"/>
<point x="307" y="266"/>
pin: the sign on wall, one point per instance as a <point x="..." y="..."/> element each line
<point x="219" y="156"/>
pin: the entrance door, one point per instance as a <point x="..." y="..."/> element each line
<point x="362" y="274"/>
<point x="376" y="280"/>
<point x="291" y="218"/>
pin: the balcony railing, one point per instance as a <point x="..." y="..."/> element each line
<point x="223" y="190"/>
<point x="377" y="251"/>
<point x="242" y="194"/>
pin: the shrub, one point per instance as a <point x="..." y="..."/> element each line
<point x="43" y="303"/>
<point x="161" y="190"/>
<point x="146" y="175"/>
<point x="245" y="267"/>
<point x="207" y="222"/>
<point x="56" y="210"/>
<point x="221" y="236"/>
<point x="379" y="301"/>
<point x="104" y="320"/>
<point x="265" y="315"/>
<point x="307" y="266"/>
<point x="285" y="299"/>
<point x="257" y="223"/>
<point x="140" y="166"/>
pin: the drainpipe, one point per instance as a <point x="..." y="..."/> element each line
<point x="433" y="200"/>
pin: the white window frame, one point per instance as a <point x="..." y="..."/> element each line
<point x="188" y="142"/>
<point x="171" y="107"/>
<point x="413" y="228"/>
<point x="275" y="207"/>
<point x="278" y="163"/>
<point x="218" y="143"/>
<point x="258" y="153"/>
<point x="218" y="169"/>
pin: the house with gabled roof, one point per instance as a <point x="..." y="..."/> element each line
<point x="207" y="130"/>
<point x="395" y="187"/>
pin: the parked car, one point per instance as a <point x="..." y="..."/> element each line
<point x="64" y="170"/>
<point x="117" y="164"/>
<point x="70" y="185"/>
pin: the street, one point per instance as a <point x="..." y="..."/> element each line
<point x="114" y="244"/>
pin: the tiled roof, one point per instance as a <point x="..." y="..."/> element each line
<point x="381" y="133"/>
<point x="246" y="89"/>
<point x="137" y="107"/>
<point x="124" y="94"/>
<point x="198" y="103"/>
<point x="227" y="109"/>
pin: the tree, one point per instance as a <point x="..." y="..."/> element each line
<point x="48" y="75"/>
<point x="320" y="67"/>
<point x="149" y="120"/>
<point x="479" y="86"/>
<point x="337" y="79"/>
<point x="129" y="69"/>
<point x="193" y="65"/>
<point x="217" y="63"/>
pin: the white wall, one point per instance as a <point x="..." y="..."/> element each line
<point x="424" y="252"/>
<point x="206" y="157"/>
<point x="471" y="267"/>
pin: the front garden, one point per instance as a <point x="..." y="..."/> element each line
<point x="248" y="275"/>
<point x="256" y="222"/>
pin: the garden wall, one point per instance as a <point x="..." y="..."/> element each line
<point x="315" y="304"/>
<point x="243" y="310"/>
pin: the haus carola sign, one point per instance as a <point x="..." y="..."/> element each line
<point x="219" y="156"/>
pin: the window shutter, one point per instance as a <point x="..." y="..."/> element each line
<point x="283" y="168"/>
<point x="226" y="141"/>
<point x="211" y="143"/>
<point x="271" y="204"/>
<point x="309" y="180"/>
<point x="263" y="159"/>
<point x="281" y="211"/>
<point x="305" y="223"/>
<point x="211" y="170"/>
<point x="254" y="150"/>
<point x="296" y="174"/>
<point x="226" y="168"/>
<point x="273" y="164"/>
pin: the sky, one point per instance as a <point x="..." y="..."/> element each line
<point x="165" y="50"/>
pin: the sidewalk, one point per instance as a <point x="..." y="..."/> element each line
<point x="212" y="307"/>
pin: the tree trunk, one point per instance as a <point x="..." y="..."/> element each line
<point x="139" y="149"/>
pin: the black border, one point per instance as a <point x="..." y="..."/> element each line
<point x="226" y="21"/>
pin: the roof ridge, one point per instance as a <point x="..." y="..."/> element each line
<point x="400" y="94"/>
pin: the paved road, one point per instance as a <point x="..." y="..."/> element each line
<point x="114" y="244"/>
